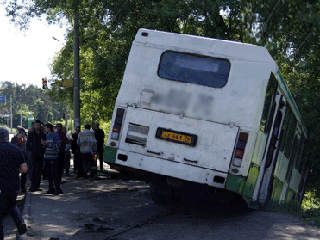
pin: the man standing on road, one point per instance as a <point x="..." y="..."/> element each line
<point x="77" y="160"/>
<point x="88" y="146"/>
<point x="99" y="134"/>
<point x="51" y="153"/>
<point x="36" y="150"/>
<point x="62" y="150"/>
<point x="11" y="164"/>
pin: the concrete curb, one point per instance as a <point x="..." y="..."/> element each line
<point x="26" y="210"/>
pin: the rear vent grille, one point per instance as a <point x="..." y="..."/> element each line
<point x="137" y="134"/>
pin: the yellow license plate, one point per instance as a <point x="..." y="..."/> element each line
<point x="177" y="137"/>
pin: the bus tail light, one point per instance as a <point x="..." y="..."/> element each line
<point x="240" y="147"/>
<point x="117" y="124"/>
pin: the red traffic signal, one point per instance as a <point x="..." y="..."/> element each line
<point x="44" y="83"/>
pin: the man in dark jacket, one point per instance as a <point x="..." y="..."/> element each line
<point x="62" y="150"/>
<point x="12" y="163"/>
<point x="77" y="159"/>
<point x="36" y="149"/>
<point x="99" y="134"/>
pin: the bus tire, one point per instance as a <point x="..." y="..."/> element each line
<point x="162" y="194"/>
<point x="155" y="194"/>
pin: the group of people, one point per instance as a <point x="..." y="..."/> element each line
<point x="43" y="151"/>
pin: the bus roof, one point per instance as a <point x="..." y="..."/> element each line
<point x="203" y="45"/>
<point x="292" y="103"/>
<point x="216" y="48"/>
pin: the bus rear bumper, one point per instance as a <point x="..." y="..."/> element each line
<point x="173" y="169"/>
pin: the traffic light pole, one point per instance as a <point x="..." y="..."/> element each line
<point x="76" y="80"/>
<point x="11" y="112"/>
<point x="66" y="116"/>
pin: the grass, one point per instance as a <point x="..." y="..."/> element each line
<point x="309" y="210"/>
<point x="292" y="208"/>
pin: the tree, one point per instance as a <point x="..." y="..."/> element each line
<point x="290" y="30"/>
<point x="30" y="99"/>
<point x="107" y="29"/>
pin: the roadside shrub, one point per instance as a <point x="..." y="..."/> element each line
<point x="292" y="207"/>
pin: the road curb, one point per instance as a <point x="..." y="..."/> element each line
<point x="26" y="209"/>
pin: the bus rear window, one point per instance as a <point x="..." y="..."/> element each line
<point x="187" y="68"/>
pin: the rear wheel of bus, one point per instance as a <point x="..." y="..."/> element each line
<point x="163" y="194"/>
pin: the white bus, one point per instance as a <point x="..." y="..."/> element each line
<point x="207" y="115"/>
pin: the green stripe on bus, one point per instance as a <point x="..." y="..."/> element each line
<point x="109" y="155"/>
<point x="235" y="183"/>
<point x="290" y="195"/>
<point x="277" y="189"/>
<point x="251" y="181"/>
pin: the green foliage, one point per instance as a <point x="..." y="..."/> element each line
<point x="309" y="210"/>
<point x="28" y="99"/>
<point x="310" y="200"/>
<point x="106" y="129"/>
<point x="312" y="216"/>
<point x="107" y="29"/>
<point x="292" y="207"/>
<point x="311" y="207"/>
<point x="291" y="32"/>
<point x="289" y="29"/>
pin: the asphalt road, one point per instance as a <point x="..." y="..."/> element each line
<point x="118" y="209"/>
<point x="129" y="214"/>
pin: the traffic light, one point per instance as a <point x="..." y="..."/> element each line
<point x="44" y="83"/>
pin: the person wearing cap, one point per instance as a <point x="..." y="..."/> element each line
<point x="20" y="141"/>
<point x="12" y="163"/>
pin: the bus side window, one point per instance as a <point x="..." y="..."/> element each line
<point x="288" y="142"/>
<point x="304" y="167"/>
<point x="269" y="105"/>
<point x="274" y="138"/>
<point x="294" y="151"/>
<point x="299" y="158"/>
<point x="285" y="128"/>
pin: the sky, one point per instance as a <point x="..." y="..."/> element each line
<point x="25" y="56"/>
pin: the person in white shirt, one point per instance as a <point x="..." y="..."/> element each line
<point x="88" y="147"/>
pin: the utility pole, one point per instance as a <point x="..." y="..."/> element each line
<point x="11" y="112"/>
<point x="21" y="116"/>
<point x="76" y="80"/>
<point x="66" y="116"/>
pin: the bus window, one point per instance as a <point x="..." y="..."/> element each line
<point x="299" y="158"/>
<point x="304" y="167"/>
<point x="273" y="141"/>
<point x="294" y="150"/>
<point x="289" y="137"/>
<point x="267" y="114"/>
<point x="270" y="118"/>
<point x="285" y="128"/>
<point x="303" y="174"/>
<point x="187" y="68"/>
